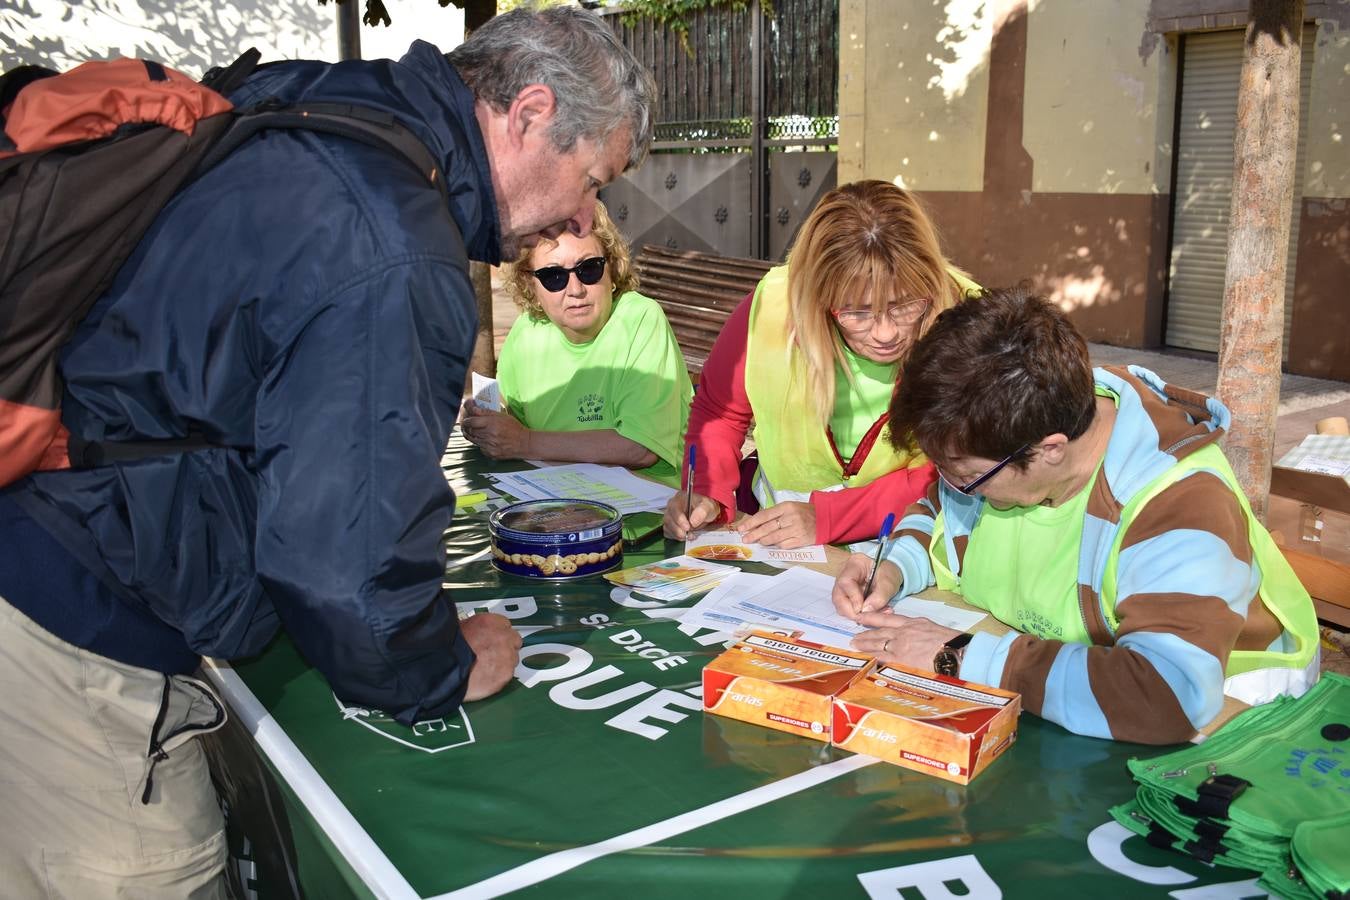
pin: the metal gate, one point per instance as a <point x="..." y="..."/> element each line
<point x="746" y="133"/>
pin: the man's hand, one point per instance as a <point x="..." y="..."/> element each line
<point x="702" y="511"/>
<point x="789" y="525"/>
<point x="905" y="640"/>
<point x="847" y="595"/>
<point x="498" y="434"/>
<point x="497" y="648"/>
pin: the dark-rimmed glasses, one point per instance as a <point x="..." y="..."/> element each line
<point x="555" y="278"/>
<point x="971" y="486"/>
<point x="899" y="314"/>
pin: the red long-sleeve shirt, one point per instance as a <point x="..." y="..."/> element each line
<point x="719" y="420"/>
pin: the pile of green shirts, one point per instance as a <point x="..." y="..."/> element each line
<point x="1269" y="792"/>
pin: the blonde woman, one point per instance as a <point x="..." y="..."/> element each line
<point x="810" y="360"/>
<point x="591" y="371"/>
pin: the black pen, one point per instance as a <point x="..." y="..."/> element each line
<point x="689" y="488"/>
<point x="876" y="560"/>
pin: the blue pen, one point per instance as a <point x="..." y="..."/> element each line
<point x="689" y="485"/>
<point x="881" y="549"/>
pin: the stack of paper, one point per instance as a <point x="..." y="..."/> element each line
<point x="796" y="602"/>
<point x="614" y="485"/>
<point x="672" y="579"/>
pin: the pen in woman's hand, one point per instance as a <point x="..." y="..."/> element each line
<point x="876" y="560"/>
<point x="689" y="488"/>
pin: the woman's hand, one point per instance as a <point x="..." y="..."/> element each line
<point x="908" y="641"/>
<point x="498" y="434"/>
<point x="702" y="511"/>
<point x="847" y="595"/>
<point x="788" y="525"/>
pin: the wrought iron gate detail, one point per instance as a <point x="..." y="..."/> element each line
<point x="746" y="131"/>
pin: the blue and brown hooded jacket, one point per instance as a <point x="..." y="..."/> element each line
<point x="1179" y="587"/>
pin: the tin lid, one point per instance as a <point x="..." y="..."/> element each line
<point x="546" y="520"/>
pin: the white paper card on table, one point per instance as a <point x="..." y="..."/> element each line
<point x="938" y="612"/>
<point x="614" y="485"/>
<point x="728" y="545"/>
<point x="797" y="600"/>
<point x="487" y="392"/>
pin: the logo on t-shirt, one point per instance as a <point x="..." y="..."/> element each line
<point x="591" y="408"/>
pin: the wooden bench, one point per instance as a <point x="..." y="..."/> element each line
<point x="698" y="292"/>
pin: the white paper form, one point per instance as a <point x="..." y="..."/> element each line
<point x="938" y="612"/>
<point x="614" y="485"/>
<point x="718" y="609"/>
<point x="797" y="600"/>
<point x="487" y="392"/>
<point x="730" y="546"/>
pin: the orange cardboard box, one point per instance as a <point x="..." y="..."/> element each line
<point x="942" y="726"/>
<point x="781" y="682"/>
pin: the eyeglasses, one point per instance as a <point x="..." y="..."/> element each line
<point x="906" y="313"/>
<point x="555" y="278"/>
<point x="971" y="486"/>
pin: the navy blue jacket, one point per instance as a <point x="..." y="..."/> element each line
<point x="306" y="306"/>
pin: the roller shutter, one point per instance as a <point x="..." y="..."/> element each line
<point x="1211" y="67"/>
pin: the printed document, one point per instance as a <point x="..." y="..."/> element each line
<point x="796" y="602"/>
<point x="728" y="545"/>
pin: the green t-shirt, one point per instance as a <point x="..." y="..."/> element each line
<point x="857" y="406"/>
<point x="631" y="378"/>
<point x="1021" y="564"/>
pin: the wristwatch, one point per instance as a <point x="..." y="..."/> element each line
<point x="948" y="659"/>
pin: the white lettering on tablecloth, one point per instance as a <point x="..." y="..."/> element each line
<point x="569" y="668"/>
<point x="1106" y="841"/>
<point x="933" y="880"/>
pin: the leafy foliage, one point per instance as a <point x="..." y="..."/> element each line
<point x="377" y="14"/>
<point x="674" y="14"/>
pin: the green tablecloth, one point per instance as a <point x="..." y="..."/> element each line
<point x="596" y="774"/>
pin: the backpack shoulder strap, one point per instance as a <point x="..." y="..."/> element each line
<point x="370" y="126"/>
<point x="225" y="79"/>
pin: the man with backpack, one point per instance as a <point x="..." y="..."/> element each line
<point x="268" y="382"/>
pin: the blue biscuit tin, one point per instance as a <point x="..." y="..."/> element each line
<point x="555" y="540"/>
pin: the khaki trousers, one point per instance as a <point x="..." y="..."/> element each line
<point x="83" y="742"/>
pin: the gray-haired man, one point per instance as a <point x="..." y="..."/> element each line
<point x="305" y="306"/>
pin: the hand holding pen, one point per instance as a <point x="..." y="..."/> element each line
<point x="685" y="515"/>
<point x="862" y="575"/>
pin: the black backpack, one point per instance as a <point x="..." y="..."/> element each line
<point x="88" y="159"/>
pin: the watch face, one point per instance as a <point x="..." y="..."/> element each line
<point x="946" y="663"/>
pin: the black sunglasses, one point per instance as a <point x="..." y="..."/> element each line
<point x="970" y="486"/>
<point x="555" y="278"/>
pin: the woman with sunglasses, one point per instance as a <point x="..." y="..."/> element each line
<point x="809" y="361"/>
<point x="591" y="372"/>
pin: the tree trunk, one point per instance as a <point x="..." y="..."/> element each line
<point x="484" y="359"/>
<point x="1265" y="152"/>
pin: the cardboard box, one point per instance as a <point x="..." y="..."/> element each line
<point x="780" y="682"/>
<point x="1309" y="515"/>
<point x="942" y="726"/>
